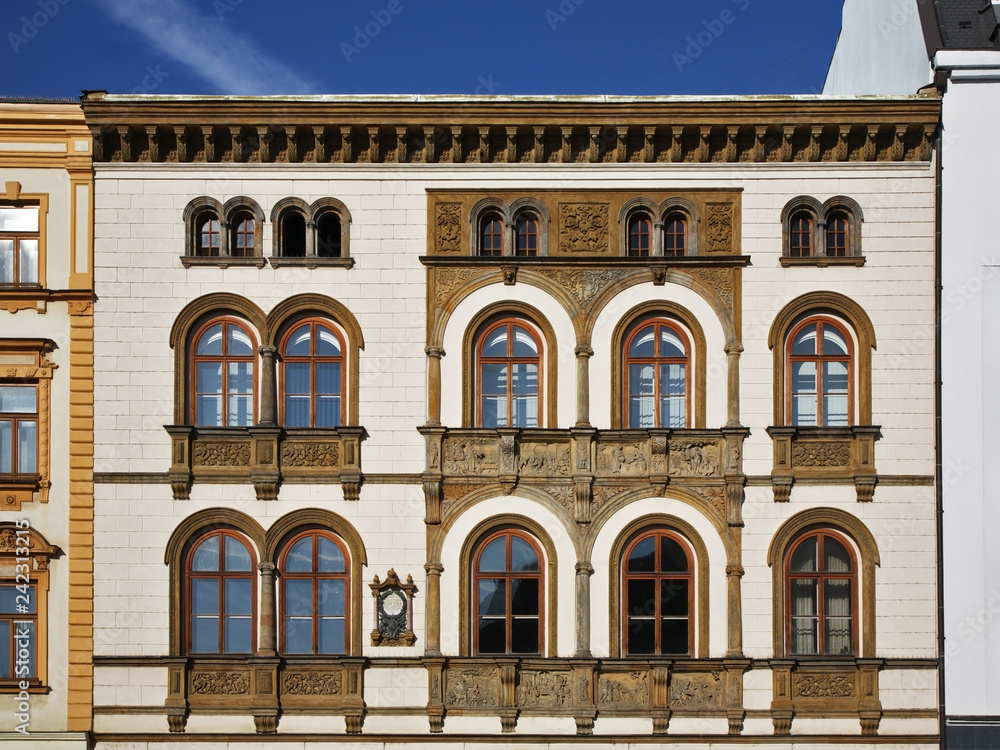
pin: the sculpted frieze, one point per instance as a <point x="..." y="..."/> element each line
<point x="311" y="683"/>
<point x="471" y="688"/>
<point x="470" y="456"/>
<point x="447" y="280"/>
<point x="699" y="458"/>
<point x="220" y="683"/>
<point x="823" y="685"/>
<point x="719" y="280"/>
<point x="221" y="454"/>
<point x="720" y="227"/>
<point x="585" y="284"/>
<point x="696" y="691"/>
<point x="544" y="689"/>
<point x="821" y="454"/>
<point x="628" y="689"/>
<point x="448" y="227"/>
<point x="583" y="228"/>
<point x="544" y="460"/>
<point x="310" y="454"/>
<point x="622" y="459"/>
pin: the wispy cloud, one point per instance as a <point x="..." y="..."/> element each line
<point x="207" y="46"/>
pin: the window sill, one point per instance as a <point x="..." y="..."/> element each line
<point x="15" y="490"/>
<point x="311" y="262"/>
<point x="819" y="455"/>
<point x="222" y="261"/>
<point x="822" y="261"/>
<point x="12" y="686"/>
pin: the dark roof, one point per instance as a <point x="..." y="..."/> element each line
<point x="964" y="26"/>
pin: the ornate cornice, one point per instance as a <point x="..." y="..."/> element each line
<point x="448" y="129"/>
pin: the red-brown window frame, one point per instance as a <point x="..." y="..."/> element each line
<point x="675" y="226"/>
<point x="491" y="226"/>
<point x="25" y="235"/>
<point x="15" y="418"/>
<point x="801" y="231"/>
<point x="481" y="337"/>
<point x="241" y="230"/>
<point x="640" y="227"/>
<point x="627" y="361"/>
<point x="508" y="575"/>
<point x="819" y="359"/>
<point x="315" y="576"/>
<point x="207" y="226"/>
<point x="225" y="359"/>
<point x="821" y="576"/>
<point x="658" y="576"/>
<point x="220" y="575"/>
<point x="838" y="226"/>
<point x="526" y="229"/>
<point x="313" y="359"/>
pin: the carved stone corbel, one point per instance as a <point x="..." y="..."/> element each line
<point x="704" y="143"/>
<point x="125" y="140"/>
<point x="594" y="154"/>
<point x="435" y="693"/>
<point x="584" y="706"/>
<point x="484" y="144"/>
<point x="815" y="132"/>
<point x="898" y="143"/>
<point x="511" y="153"/>
<point x="456" y="144"/>
<point x="869" y="704"/>
<point x="732" y="132"/>
<point x="507" y="710"/>
<point x="583" y="472"/>
<point x="507" y="469"/>
<point x="787" y="136"/>
<point x="264" y="138"/>
<point x="292" y="144"/>
<point x="648" y="143"/>
<point x="567" y="143"/>
<point x="180" y="475"/>
<point x="430" y="144"/>
<point x="843" y="152"/>
<point x="176" y="703"/>
<point x="661" y="699"/>
<point x="433" y="474"/>
<point x="153" y="139"/>
<point x="350" y="471"/>
<point x="346" y="144"/>
<point x="621" y="143"/>
<point x="760" y="138"/>
<point x="181" y="136"/>
<point x="401" y="146"/>
<point x="374" y="154"/>
<point x="235" y="152"/>
<point x="871" y="151"/>
<point x="264" y="472"/>
<point x="538" y="150"/>
<point x="781" y="701"/>
<point x="264" y="695"/>
<point x="735" y="712"/>
<point x="208" y="135"/>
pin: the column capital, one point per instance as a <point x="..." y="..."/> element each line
<point x="584" y="569"/>
<point x="435" y="352"/>
<point x="735" y="571"/>
<point x="434" y="569"/>
<point x="584" y="351"/>
<point x="267" y="350"/>
<point x="266" y="568"/>
<point x="736" y="349"/>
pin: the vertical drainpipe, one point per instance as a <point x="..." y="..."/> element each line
<point x="938" y="472"/>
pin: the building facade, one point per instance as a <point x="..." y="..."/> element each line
<point x="46" y="424"/>
<point x="497" y="418"/>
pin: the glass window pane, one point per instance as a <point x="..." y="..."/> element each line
<point x="209" y="410"/>
<point x="674" y="636"/>
<point x="805" y="556"/>
<point x="30" y="627"/>
<point x="327" y="343"/>
<point x="838" y="635"/>
<point x="299" y="557"/>
<point x="297" y="377"/>
<point x="240" y="343"/>
<point x="297" y="411"/>
<point x="206" y="556"/>
<point x="495" y="344"/>
<point x="673" y="559"/>
<point x="834" y="410"/>
<point x="805" y="340"/>
<point x="494" y="411"/>
<point x="804" y="602"/>
<point x="6" y="261"/>
<point x="210" y="342"/>
<point x="332" y="597"/>
<point x="525" y="411"/>
<point x="238" y="596"/>
<point x="673" y="379"/>
<point x="331" y="636"/>
<point x="27" y="446"/>
<point x="672" y="411"/>
<point x="240" y="377"/>
<point x="327" y="411"/>
<point x="299" y="597"/>
<point x="494" y="379"/>
<point x="524" y="596"/>
<point x="494" y="556"/>
<point x="209" y="377"/>
<point x="331" y="559"/>
<point x="835" y="556"/>
<point x="238" y="636"/>
<point x="205" y="635"/>
<point x="643" y="343"/>
<point x="328" y="378"/>
<point x="674" y="597"/>
<point x="524" y="379"/>
<point x="205" y="596"/>
<point x="522" y="555"/>
<point x="524" y="635"/>
<point x="804" y="635"/>
<point x="834" y="343"/>
<point x="641" y="635"/>
<point x="6" y="446"/>
<point x="642" y="559"/>
<point x="524" y="343"/>
<point x="492" y="635"/>
<point x="671" y="344"/>
<point x="837" y="597"/>
<point x="299" y="342"/>
<point x="18" y="399"/>
<point x="8" y="600"/>
<point x="29" y="261"/>
<point x="298" y="635"/>
<point x="5" y="649"/>
<point x="237" y="556"/>
<point x="492" y="596"/>
<point x="19" y="219"/>
<point x="641" y="597"/>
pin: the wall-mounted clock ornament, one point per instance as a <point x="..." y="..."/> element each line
<point x="393" y="611"/>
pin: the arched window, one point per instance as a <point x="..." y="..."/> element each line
<point x="222" y="374"/>
<point x="328" y="238"/>
<point x="800" y="235"/>
<point x="508" y="364"/>
<point x="837" y="235"/>
<point x="207" y="235"/>
<point x="312" y="366"/>
<point x="821" y="595"/>
<point x="639" y="236"/>
<point x="658" y="595"/>
<point x="491" y="236"/>
<point x="220" y="595"/>
<point x="675" y="236"/>
<point x="293" y="234"/>
<point x="820" y="374"/>
<point x="315" y="584"/>
<point x="242" y="237"/>
<point x="508" y="588"/>
<point x="656" y="364"/>
<point x="526" y="235"/>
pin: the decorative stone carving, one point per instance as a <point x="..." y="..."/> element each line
<point x="696" y="691"/>
<point x="698" y="458"/>
<point x="447" y="279"/>
<point x="603" y="494"/>
<point x="622" y="459"/>
<point x="312" y="683"/>
<point x="221" y="454"/>
<point x="625" y="689"/>
<point x="544" y="690"/>
<point x="583" y="228"/>
<point x="310" y="454"/>
<point x="544" y="460"/>
<point x="821" y="454"/>
<point x="448" y="224"/>
<point x="822" y="685"/>
<point x="563" y="493"/>
<point x="720" y="280"/>
<point x="470" y="456"/>
<point x="471" y="688"/>
<point x="220" y="683"/>
<point x="716" y="496"/>
<point x="584" y="285"/>
<point x="720" y="227"/>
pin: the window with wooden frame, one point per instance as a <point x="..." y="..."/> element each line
<point x="658" y="593"/>
<point x="675" y="236"/>
<point x="243" y="236"/>
<point x="20" y="239"/>
<point x="820" y="374"/>
<point x="509" y="374"/>
<point x="491" y="236"/>
<point x="312" y="376"/>
<point x="656" y="363"/>
<point x="208" y="235"/>
<point x="24" y="587"/>
<point x="640" y="237"/>
<point x="821" y="595"/>
<point x="315" y="601"/>
<point x="508" y="585"/>
<point x="800" y="235"/>
<point x="221" y="595"/>
<point x="25" y="417"/>
<point x="223" y="392"/>
<point x="18" y="429"/>
<point x="837" y="235"/>
<point x="526" y="235"/>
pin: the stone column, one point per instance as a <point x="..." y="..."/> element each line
<point x="268" y="386"/>
<point x="268" y="614"/>
<point x="434" y="354"/>
<point x="733" y="352"/>
<point x="583" y="355"/>
<point x="310" y="239"/>
<point x="584" y="571"/>
<point x="734" y="638"/>
<point x="433" y="619"/>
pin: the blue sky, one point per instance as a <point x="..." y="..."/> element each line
<point x="55" y="48"/>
